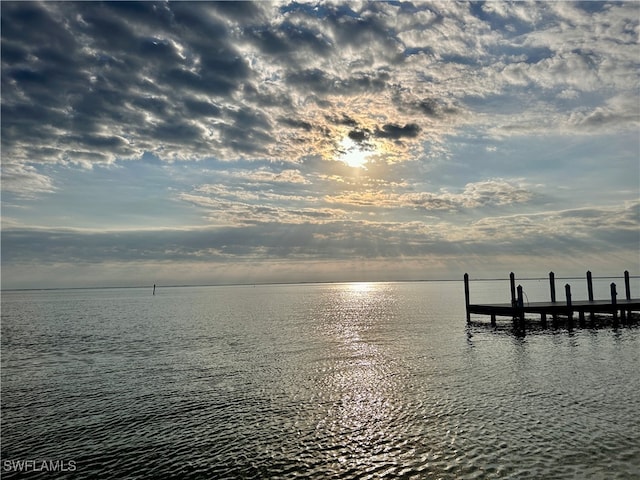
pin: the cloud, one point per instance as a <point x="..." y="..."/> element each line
<point x="615" y="113"/>
<point x="396" y="132"/>
<point x="494" y="192"/>
<point x="191" y="80"/>
<point x="475" y="195"/>
<point x="569" y="232"/>
<point x="25" y="180"/>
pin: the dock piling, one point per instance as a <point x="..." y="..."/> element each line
<point x="466" y="296"/>
<point x="520" y="307"/>
<point x="614" y="302"/>
<point x="567" y="290"/>
<point x="520" y="297"/>
<point x="589" y="286"/>
<point x="590" y="292"/>
<point x="627" y="289"/>
<point x="552" y="287"/>
<point x="512" y="284"/>
<point x="627" y="285"/>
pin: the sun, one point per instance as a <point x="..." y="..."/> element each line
<point x="353" y="154"/>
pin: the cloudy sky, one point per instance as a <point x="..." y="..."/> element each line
<point x="177" y="143"/>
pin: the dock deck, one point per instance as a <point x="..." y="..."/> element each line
<point x="555" y="308"/>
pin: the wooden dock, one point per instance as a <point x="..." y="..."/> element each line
<point x="518" y="308"/>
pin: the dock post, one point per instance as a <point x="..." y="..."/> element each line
<point x="614" y="302"/>
<point x="466" y="296"/>
<point x="590" y="286"/>
<point x="567" y="290"/>
<point x="627" y="285"/>
<point x="512" y="283"/>
<point x="520" y="307"/>
<point x="590" y="292"/>
<point x="552" y="286"/>
<point x="627" y="290"/>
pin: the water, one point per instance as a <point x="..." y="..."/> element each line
<point x="381" y="380"/>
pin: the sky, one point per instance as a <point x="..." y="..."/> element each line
<point x="210" y="143"/>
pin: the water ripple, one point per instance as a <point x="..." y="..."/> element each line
<point x="333" y="381"/>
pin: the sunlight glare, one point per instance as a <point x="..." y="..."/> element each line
<point x="353" y="154"/>
<point x="360" y="287"/>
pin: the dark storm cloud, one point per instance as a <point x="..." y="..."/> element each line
<point x="320" y="82"/>
<point x="299" y="124"/>
<point x="288" y="39"/>
<point x="98" y="142"/>
<point x="429" y="107"/>
<point x="397" y="132"/>
<point x="180" y="131"/>
<point x="362" y="29"/>
<point x="156" y="14"/>
<point x="195" y="108"/>
<point x="342" y="120"/>
<point x="108" y="31"/>
<point x="126" y="68"/>
<point x="436" y="109"/>
<point x="239" y="10"/>
<point x="32" y="24"/>
<point x="358" y="135"/>
<point x="389" y="131"/>
<point x="212" y="83"/>
<point x="314" y="80"/>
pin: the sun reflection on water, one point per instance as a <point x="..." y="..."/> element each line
<point x="361" y="381"/>
<point x="359" y="287"/>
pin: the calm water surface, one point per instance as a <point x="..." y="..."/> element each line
<point x="374" y="380"/>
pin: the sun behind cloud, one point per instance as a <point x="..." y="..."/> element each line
<point x="354" y="154"/>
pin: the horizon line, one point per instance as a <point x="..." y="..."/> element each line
<point x="320" y="282"/>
